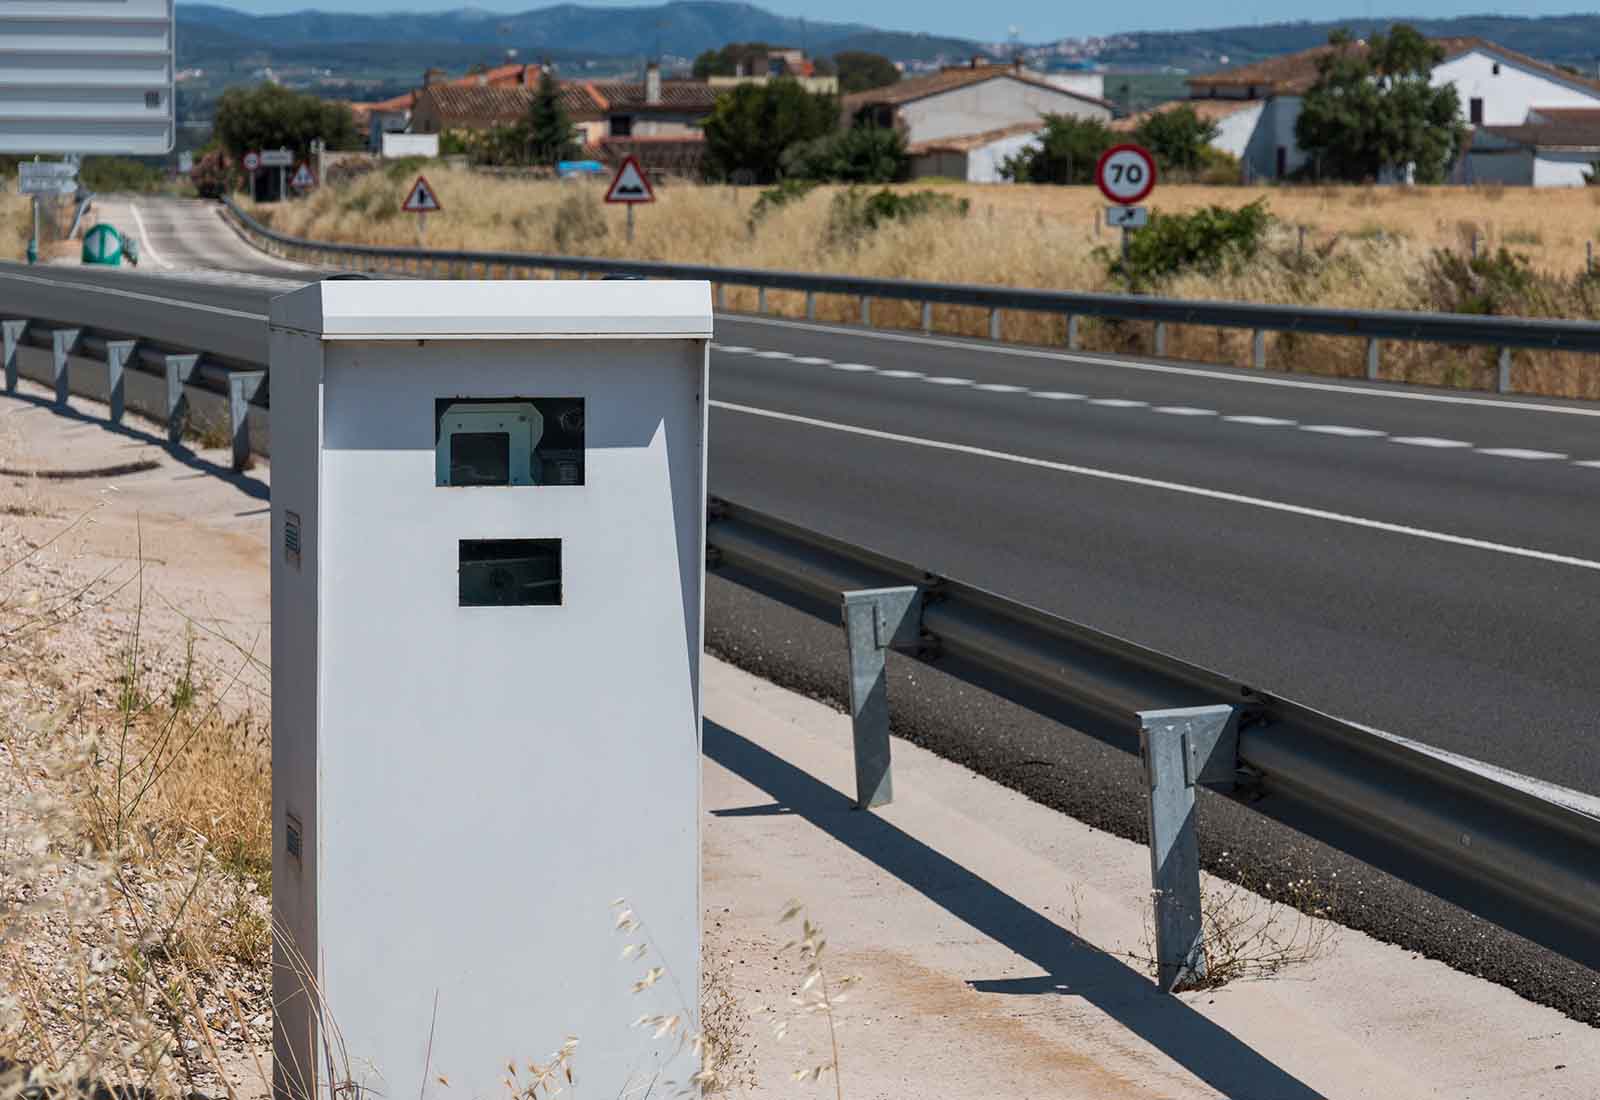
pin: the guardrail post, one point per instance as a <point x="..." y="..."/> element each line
<point x="178" y="369"/>
<point x="761" y="299"/>
<point x="866" y="311"/>
<point x="994" y="324"/>
<point x="62" y="341"/>
<point x="811" y="305"/>
<point x="722" y="297"/>
<point x="1161" y="339"/>
<point x="1258" y="349"/>
<point x="1503" y="376"/>
<point x="876" y="619"/>
<point x="118" y="352"/>
<point x="242" y="388"/>
<point x="927" y="317"/>
<point x="10" y="336"/>
<point x="1181" y="749"/>
<point x="1372" y="358"/>
<point x="1073" y="342"/>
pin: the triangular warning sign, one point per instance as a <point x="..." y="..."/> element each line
<point x="303" y="178"/>
<point x="630" y="184"/>
<point x="423" y="199"/>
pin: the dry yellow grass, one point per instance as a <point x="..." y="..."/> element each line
<point x="1035" y="237"/>
<point x="15" y="223"/>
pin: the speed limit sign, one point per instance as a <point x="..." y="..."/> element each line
<point x="1126" y="173"/>
<point x="252" y="161"/>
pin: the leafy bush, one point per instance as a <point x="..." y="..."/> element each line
<point x="753" y="124"/>
<point x="856" y="212"/>
<point x="1067" y="153"/>
<point x="1179" y="139"/>
<point x="402" y="169"/>
<point x="270" y="116"/>
<point x="119" y="174"/>
<point x="1218" y="168"/>
<point x="861" y="154"/>
<point x="1207" y="240"/>
<point x="213" y="175"/>
<point x="780" y="194"/>
<point x="578" y="220"/>
<point x="1492" y="284"/>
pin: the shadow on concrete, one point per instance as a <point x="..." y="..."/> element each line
<point x="1071" y="965"/>
<point x="252" y="487"/>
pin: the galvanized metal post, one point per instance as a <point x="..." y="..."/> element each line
<point x="242" y="388"/>
<point x="875" y="619"/>
<point x="994" y="324"/>
<point x="1073" y="342"/>
<point x="62" y="343"/>
<point x="1588" y="257"/>
<point x="811" y="305"/>
<point x="1503" y="375"/>
<point x="1258" y="349"/>
<point x="866" y="310"/>
<point x="761" y="299"/>
<point x="178" y="369"/>
<point x="722" y="297"/>
<point x="1372" y="357"/>
<point x="927" y="317"/>
<point x="1181" y="749"/>
<point x="118" y="352"/>
<point x="1161" y="339"/>
<point x="10" y="336"/>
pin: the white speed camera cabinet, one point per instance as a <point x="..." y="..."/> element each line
<point x="488" y="530"/>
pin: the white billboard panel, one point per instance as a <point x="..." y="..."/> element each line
<point x="87" y="76"/>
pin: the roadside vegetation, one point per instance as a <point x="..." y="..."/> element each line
<point x="1362" y="247"/>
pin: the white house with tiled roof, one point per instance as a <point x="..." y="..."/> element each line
<point x="1498" y="88"/>
<point x="963" y="102"/>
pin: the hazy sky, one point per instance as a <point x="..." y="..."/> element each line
<point x="1037" y="20"/>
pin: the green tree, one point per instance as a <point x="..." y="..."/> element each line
<point x="1068" y="152"/>
<point x="725" y="62"/>
<point x="861" y="154"/>
<point x="551" y="136"/>
<point x="272" y="117"/>
<point x="1178" y="138"/>
<point x="1372" y="111"/>
<point x="752" y="124"/>
<point x="860" y="71"/>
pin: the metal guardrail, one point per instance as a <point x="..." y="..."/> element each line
<point x="1375" y="326"/>
<point x="1511" y="849"/>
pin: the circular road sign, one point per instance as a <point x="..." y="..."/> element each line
<point x="252" y="161"/>
<point x="1126" y="173"/>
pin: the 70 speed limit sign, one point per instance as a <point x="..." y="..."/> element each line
<point x="1126" y="173"/>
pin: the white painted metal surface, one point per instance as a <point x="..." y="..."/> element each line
<point x="410" y="145"/>
<point x="475" y="784"/>
<point x="86" y="76"/>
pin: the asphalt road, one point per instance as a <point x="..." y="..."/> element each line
<point x="1422" y="561"/>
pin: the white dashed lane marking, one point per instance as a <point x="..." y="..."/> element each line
<point x="1340" y="430"/>
<point x="1429" y="441"/>
<point x="1518" y="452"/>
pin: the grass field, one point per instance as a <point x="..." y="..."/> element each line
<point x="1363" y="248"/>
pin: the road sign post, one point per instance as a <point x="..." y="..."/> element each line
<point x="422" y="200"/>
<point x="1125" y="175"/>
<point x="630" y="186"/>
<point x="252" y="162"/>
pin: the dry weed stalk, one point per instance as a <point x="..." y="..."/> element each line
<point x="817" y="996"/>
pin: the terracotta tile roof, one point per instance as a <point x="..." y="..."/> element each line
<point x="1567" y="114"/>
<point x="676" y="96"/>
<point x="394" y="103"/>
<point x="965" y="143"/>
<point x="947" y="80"/>
<point x="473" y="106"/>
<point x="1208" y="110"/>
<point x="1294" y="73"/>
<point x="1583" y="134"/>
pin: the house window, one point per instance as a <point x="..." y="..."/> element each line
<point x="621" y="125"/>
<point x="1475" y="111"/>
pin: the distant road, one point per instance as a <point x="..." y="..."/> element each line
<point x="185" y="236"/>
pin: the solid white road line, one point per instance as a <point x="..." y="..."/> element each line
<point x="1215" y="375"/>
<point x="1428" y="441"/>
<point x="145" y="245"/>
<point x="1260" y="421"/>
<point x="136" y="296"/>
<point x="1518" y="452"/>
<point x="1171" y="487"/>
